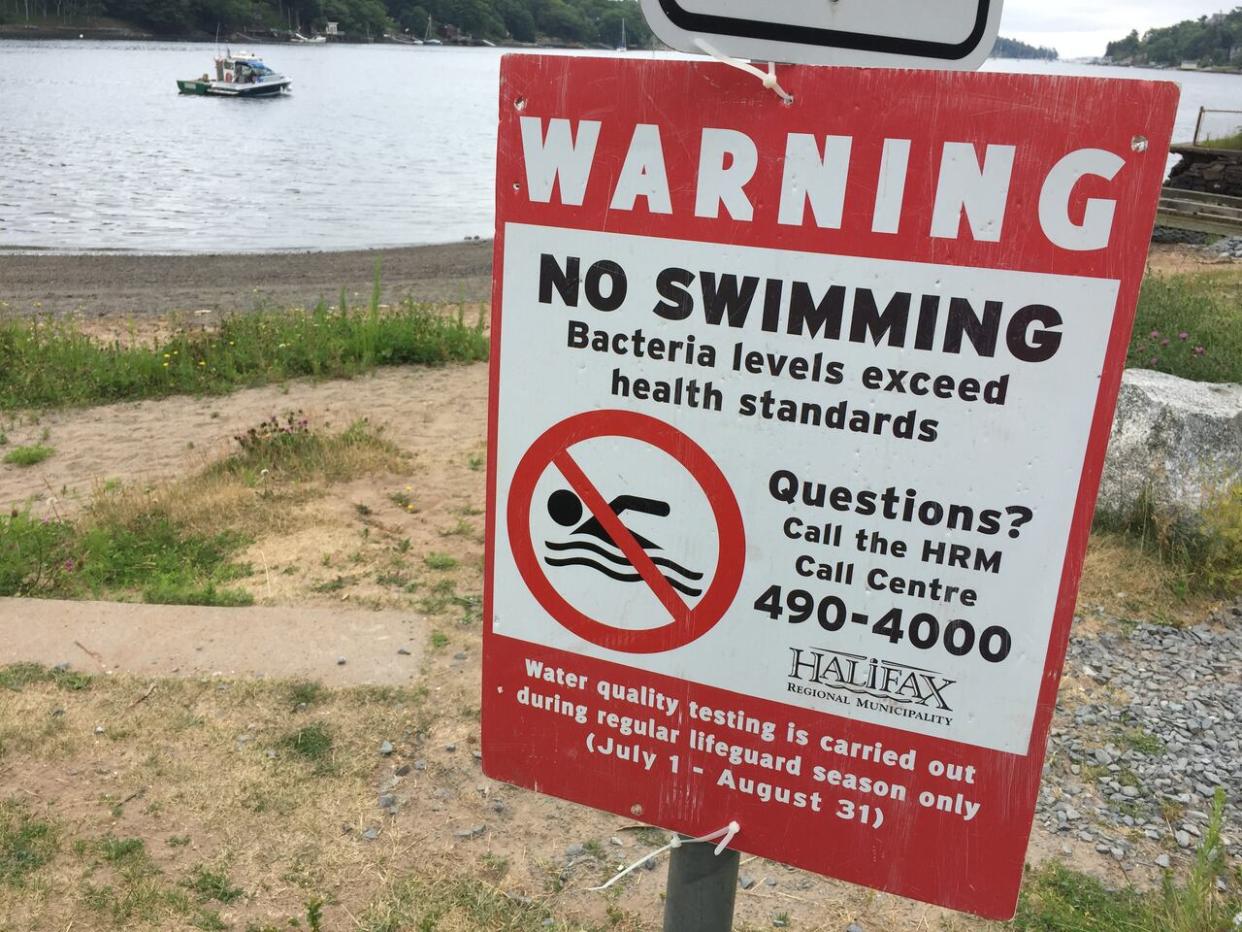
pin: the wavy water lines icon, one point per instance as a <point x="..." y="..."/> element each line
<point x="590" y="546"/>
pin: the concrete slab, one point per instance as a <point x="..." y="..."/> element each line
<point x="181" y="640"/>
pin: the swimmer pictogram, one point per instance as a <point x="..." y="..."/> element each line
<point x="566" y="509"/>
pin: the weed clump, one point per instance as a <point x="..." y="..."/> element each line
<point x="313" y="743"/>
<point x="18" y="676"/>
<point x="209" y="884"/>
<point x="28" y="456"/>
<point x="26" y="843"/>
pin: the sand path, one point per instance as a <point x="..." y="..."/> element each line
<point x="437" y="414"/>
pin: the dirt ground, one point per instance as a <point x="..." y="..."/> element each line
<point x="403" y="543"/>
<point x="1172" y="259"/>
<point x="336" y="646"/>
<point x="145" y="286"/>
<point x="438" y="414"/>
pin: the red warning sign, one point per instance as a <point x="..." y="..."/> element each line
<point x="798" y="414"/>
<point x="686" y="621"/>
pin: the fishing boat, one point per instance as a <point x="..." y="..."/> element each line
<point x="238" y="74"/>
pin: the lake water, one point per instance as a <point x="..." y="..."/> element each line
<point x="377" y="146"/>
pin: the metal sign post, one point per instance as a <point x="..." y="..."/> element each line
<point x="702" y="886"/>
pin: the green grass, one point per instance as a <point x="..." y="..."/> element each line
<point x="440" y="561"/>
<point x="118" y="850"/>
<point x="312" y="743"/>
<point x="18" y="676"/>
<point x="28" y="456"/>
<point x="1233" y="141"/>
<point x="132" y="889"/>
<point x="47" y="363"/>
<point x="1142" y="741"/>
<point x="146" y="553"/>
<point x="307" y="693"/>
<point x="179" y="544"/>
<point x="1190" y="326"/>
<point x="26" y="843"/>
<point x="1058" y="899"/>
<point x="209" y="884"/>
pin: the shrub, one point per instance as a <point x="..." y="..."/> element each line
<point x="28" y="456"/>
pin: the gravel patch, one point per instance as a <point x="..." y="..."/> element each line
<point x="1134" y="769"/>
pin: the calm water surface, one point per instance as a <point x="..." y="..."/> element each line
<point x="377" y="146"/>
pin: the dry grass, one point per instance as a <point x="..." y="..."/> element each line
<point x="1122" y="581"/>
<point x="205" y="761"/>
<point x="257" y="494"/>
<point x="204" y="806"/>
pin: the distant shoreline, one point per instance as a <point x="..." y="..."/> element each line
<point x="134" y="34"/>
<point x="126" y="33"/>
<point x="128" y="284"/>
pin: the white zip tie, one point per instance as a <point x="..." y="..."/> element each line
<point x="724" y="834"/>
<point x="766" y="78"/>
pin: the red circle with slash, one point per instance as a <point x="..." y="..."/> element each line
<point x="686" y="623"/>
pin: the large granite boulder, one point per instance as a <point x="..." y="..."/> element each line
<point x="1174" y="440"/>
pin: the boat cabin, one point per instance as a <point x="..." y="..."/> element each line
<point x="242" y="69"/>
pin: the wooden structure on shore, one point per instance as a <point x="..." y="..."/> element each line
<point x="1200" y="212"/>
<point x="1204" y="190"/>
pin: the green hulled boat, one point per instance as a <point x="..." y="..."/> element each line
<point x="237" y="75"/>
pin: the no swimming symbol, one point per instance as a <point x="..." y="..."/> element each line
<point x="599" y="539"/>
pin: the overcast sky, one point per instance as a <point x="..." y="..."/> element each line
<point x="1077" y="28"/>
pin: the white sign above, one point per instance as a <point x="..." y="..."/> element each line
<point x="946" y="35"/>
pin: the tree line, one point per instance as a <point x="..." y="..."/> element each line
<point x="1012" y="48"/>
<point x="1208" y="40"/>
<point x="584" y="22"/>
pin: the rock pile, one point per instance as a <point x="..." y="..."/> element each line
<point x="1173" y="440"/>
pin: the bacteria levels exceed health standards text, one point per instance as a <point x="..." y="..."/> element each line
<point x="924" y="631"/>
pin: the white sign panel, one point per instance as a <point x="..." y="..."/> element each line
<point x="950" y="34"/>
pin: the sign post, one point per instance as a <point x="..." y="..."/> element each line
<point x="702" y="886"/>
<point x="797" y="418"/>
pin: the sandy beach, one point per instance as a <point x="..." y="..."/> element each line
<point x="98" y="285"/>
<point x="149" y="286"/>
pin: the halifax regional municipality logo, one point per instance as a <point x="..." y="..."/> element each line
<point x="868" y="677"/>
